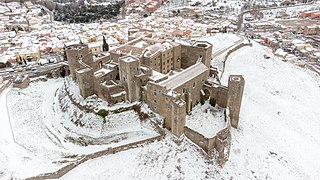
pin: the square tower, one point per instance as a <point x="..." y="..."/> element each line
<point x="235" y="93"/>
<point x="129" y="68"/>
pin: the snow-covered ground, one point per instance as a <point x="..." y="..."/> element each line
<point x="221" y="41"/>
<point x="206" y="120"/>
<point x="46" y="139"/>
<point x="278" y="138"/>
<point x="279" y="135"/>
<point x="159" y="160"/>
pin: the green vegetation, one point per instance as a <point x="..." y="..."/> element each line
<point x="85" y="13"/>
<point x="105" y="45"/>
<point x="212" y="102"/>
<point x="202" y="100"/>
<point x="103" y="113"/>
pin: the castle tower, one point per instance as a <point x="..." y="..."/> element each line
<point x="85" y="81"/>
<point x="178" y="117"/>
<point x="235" y="92"/>
<point x="129" y="68"/>
<point x="74" y="53"/>
<point x="200" y="50"/>
<point x="205" y="50"/>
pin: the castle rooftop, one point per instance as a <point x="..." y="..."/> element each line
<point x="180" y="78"/>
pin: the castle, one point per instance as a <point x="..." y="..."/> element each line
<point x="170" y="77"/>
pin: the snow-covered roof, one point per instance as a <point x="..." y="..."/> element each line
<point x="184" y="76"/>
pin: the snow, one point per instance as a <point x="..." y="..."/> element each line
<point x="46" y="140"/>
<point x="220" y="44"/>
<point x="160" y="160"/>
<point x="279" y="114"/>
<point x="278" y="137"/>
<point x="5" y="133"/>
<point x="93" y="100"/>
<point x="206" y="120"/>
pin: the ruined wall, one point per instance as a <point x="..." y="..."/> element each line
<point x="197" y="138"/>
<point x="88" y="60"/>
<point x="105" y="92"/>
<point x="111" y="75"/>
<point x="218" y="146"/>
<point x="23" y="83"/>
<point x="219" y="92"/>
<point x="99" y="61"/>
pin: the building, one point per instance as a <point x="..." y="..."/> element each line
<point x="169" y="77"/>
<point x="306" y="14"/>
<point x="21" y="81"/>
<point x="311" y="30"/>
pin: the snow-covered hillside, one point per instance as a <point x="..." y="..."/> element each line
<point x="278" y="138"/>
<point x="279" y="134"/>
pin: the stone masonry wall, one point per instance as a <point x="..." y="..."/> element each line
<point x="217" y="146"/>
<point x="219" y="92"/>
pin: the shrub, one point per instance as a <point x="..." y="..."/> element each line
<point x="137" y="108"/>
<point x="213" y="102"/>
<point x="103" y="113"/>
<point x="143" y="116"/>
<point x="202" y="100"/>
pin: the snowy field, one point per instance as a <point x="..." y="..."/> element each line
<point x="278" y="136"/>
<point x="159" y="160"/>
<point x="46" y="139"/>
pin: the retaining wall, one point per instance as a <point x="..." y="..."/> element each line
<point x="66" y="169"/>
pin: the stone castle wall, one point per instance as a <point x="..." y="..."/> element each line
<point x="219" y="92"/>
<point x="191" y="54"/>
<point x="217" y="146"/>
